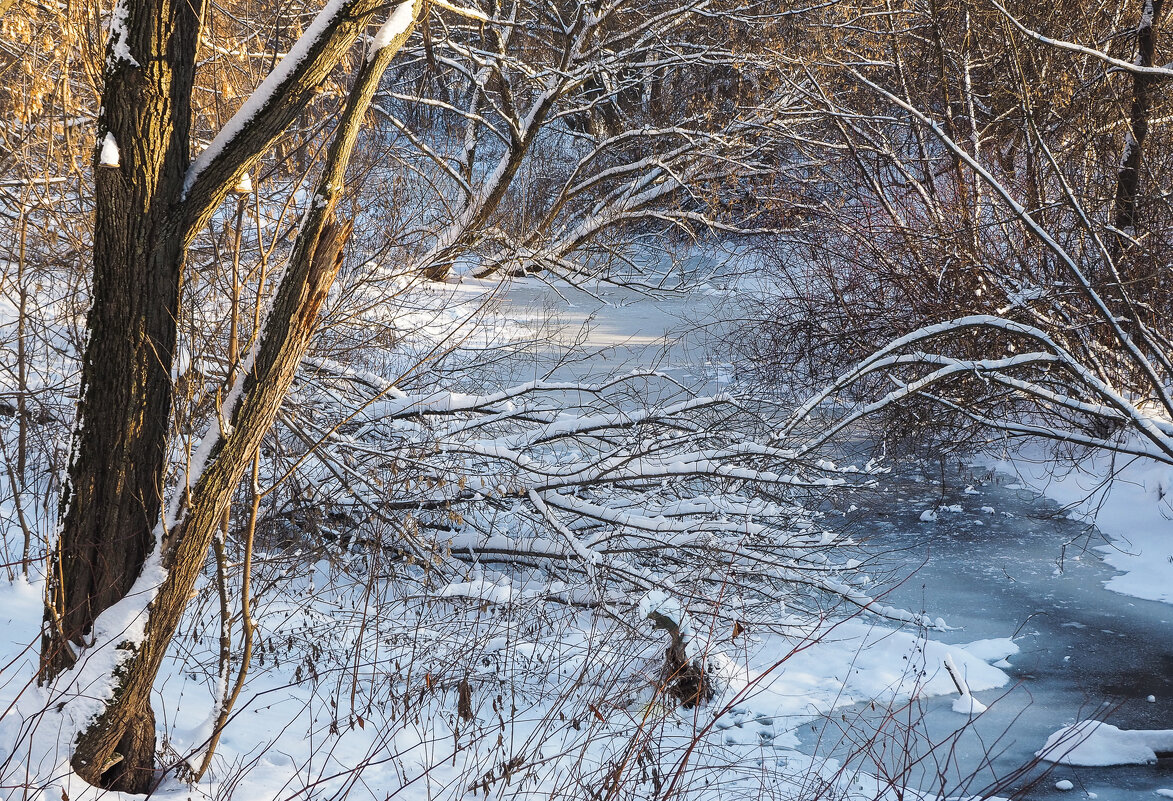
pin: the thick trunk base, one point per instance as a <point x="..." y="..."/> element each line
<point x="119" y="754"/>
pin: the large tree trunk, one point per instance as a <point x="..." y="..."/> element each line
<point x="114" y="512"/>
<point x="118" y="750"/>
<point x="113" y="496"/>
<point x="114" y="493"/>
<point x="148" y="208"/>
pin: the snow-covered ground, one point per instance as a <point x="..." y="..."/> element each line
<point x="291" y="738"/>
<point x="1033" y="636"/>
<point x="330" y="694"/>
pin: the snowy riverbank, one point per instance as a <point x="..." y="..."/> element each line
<point x="1134" y="511"/>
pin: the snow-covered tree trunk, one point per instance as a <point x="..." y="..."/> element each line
<point x="113" y="497"/>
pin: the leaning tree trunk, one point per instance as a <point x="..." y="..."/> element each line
<point x="117" y="749"/>
<point x="148" y="206"/>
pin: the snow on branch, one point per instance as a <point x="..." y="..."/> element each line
<point x="1094" y="743"/>
<point x="551" y="474"/>
<point x="1127" y="344"/>
<point x="463" y="11"/>
<point x="274" y="104"/>
<point x="1127" y="66"/>
<point x="1071" y="389"/>
<point x="118" y="44"/>
<point x="264" y="94"/>
<point x="396" y="25"/>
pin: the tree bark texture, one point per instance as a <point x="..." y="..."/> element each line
<point x="114" y="493"/>
<point x="123" y="737"/>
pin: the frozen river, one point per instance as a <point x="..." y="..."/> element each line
<point x="589" y="333"/>
<point x="1019" y="571"/>
<point x="1026" y="573"/>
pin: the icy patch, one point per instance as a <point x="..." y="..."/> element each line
<point x="1135" y="510"/>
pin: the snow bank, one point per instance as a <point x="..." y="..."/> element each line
<point x="854" y="662"/>
<point x="1135" y="511"/>
<point x="994" y="651"/>
<point x="481" y="589"/>
<point x="1093" y="743"/>
<point x="968" y="705"/>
